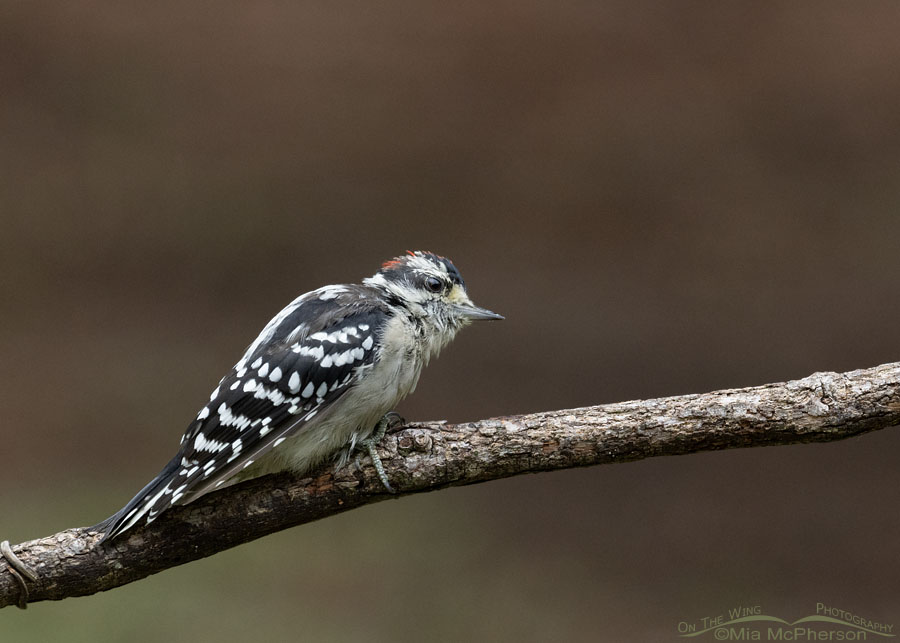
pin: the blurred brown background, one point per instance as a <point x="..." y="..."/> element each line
<point x="662" y="198"/>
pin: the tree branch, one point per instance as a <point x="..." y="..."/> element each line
<point x="423" y="457"/>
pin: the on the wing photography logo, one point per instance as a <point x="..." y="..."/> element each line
<point x="750" y="623"/>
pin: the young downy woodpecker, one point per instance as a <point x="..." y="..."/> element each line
<point x="316" y="383"/>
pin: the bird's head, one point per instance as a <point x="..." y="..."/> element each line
<point x="431" y="288"/>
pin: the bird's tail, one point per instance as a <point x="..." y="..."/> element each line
<point x="143" y="504"/>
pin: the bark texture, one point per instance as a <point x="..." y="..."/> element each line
<point x="429" y="456"/>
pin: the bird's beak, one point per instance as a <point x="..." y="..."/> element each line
<point x="474" y="312"/>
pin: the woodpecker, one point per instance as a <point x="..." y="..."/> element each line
<point x="317" y="382"/>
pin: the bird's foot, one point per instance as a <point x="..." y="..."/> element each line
<point x="389" y="421"/>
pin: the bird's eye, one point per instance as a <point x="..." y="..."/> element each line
<point x="434" y="284"/>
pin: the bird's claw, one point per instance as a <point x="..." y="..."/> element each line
<point x="389" y="421"/>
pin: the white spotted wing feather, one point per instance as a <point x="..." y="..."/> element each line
<point x="304" y="360"/>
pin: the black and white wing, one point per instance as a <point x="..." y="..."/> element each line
<point x="304" y="360"/>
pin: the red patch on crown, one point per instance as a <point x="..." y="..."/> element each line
<point x="396" y="261"/>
